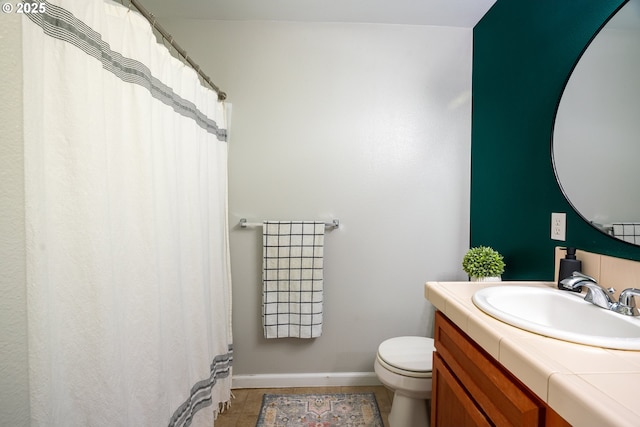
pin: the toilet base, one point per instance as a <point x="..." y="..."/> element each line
<point x="408" y="412"/>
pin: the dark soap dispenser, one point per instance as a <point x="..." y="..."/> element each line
<point x="568" y="265"/>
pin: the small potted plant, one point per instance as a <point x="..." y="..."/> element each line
<point x="483" y="264"/>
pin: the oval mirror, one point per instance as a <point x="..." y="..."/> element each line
<point x="596" y="140"/>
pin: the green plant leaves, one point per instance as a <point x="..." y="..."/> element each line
<point x="483" y="261"/>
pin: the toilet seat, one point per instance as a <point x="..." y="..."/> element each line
<point x="408" y="356"/>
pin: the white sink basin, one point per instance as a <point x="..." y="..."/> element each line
<point x="559" y="314"/>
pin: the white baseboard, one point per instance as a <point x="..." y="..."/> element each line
<point x="329" y="379"/>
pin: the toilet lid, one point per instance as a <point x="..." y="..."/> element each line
<point x="408" y="353"/>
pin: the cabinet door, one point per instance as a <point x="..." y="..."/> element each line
<point x="493" y="390"/>
<point x="504" y="400"/>
<point x="451" y="406"/>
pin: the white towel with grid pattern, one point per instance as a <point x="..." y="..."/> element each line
<point x="292" y="275"/>
<point x="627" y="231"/>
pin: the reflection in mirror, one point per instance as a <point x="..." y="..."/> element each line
<point x="596" y="141"/>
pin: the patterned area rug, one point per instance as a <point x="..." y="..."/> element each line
<point x="319" y="410"/>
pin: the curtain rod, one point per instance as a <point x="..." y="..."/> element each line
<point x="183" y="53"/>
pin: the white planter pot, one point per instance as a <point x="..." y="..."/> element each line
<point x="486" y="279"/>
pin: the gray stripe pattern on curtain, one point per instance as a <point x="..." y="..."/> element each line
<point x="61" y="24"/>
<point x="200" y="396"/>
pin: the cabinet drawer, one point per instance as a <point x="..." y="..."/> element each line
<point x="501" y="396"/>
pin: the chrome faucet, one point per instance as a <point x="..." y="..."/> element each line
<point x="599" y="296"/>
<point x="627" y="304"/>
<point x="596" y="294"/>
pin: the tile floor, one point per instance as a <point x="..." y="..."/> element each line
<point x="246" y="405"/>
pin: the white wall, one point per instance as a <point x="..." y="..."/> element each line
<point x="369" y="124"/>
<point x="14" y="372"/>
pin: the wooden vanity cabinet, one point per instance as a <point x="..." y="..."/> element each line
<point x="471" y="388"/>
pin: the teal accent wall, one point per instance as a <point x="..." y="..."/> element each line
<point x="524" y="52"/>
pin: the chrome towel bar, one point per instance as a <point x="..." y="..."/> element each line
<point x="244" y="224"/>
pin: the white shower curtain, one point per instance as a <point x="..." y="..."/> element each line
<point x="129" y="298"/>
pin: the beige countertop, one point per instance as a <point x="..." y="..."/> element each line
<point x="587" y="386"/>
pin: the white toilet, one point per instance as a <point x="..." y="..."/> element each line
<point x="404" y="365"/>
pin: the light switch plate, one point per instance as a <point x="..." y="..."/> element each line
<point x="558" y="226"/>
